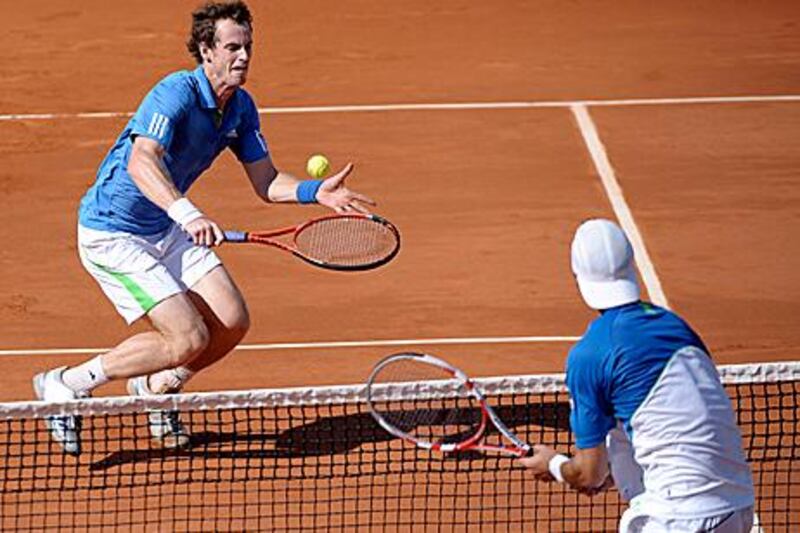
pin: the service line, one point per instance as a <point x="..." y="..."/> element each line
<point x="434" y="106"/>
<point x="329" y="344"/>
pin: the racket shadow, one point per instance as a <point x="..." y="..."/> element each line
<point x="326" y="436"/>
<point x="332" y="435"/>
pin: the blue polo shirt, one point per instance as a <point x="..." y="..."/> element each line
<point x="181" y="114"/>
<point x="612" y="369"/>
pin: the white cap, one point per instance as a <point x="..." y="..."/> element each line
<point x="602" y="261"/>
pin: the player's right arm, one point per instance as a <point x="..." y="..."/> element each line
<point x="587" y="469"/>
<point x="591" y="418"/>
<point x="148" y="171"/>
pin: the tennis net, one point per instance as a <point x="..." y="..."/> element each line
<point x="313" y="459"/>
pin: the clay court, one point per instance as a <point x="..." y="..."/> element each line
<point x="486" y="132"/>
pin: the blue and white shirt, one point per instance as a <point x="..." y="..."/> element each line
<point x="181" y="114"/>
<point x="642" y="367"/>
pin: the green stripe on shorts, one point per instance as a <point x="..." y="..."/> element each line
<point x="142" y="298"/>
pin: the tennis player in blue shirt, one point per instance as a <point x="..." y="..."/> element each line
<point x="150" y="248"/>
<point x="648" y="407"/>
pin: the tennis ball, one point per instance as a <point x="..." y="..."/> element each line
<point x="317" y="166"/>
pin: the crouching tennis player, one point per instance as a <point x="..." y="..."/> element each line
<point x="648" y="403"/>
<point x="149" y="247"/>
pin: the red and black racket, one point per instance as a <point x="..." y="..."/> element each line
<point x="337" y="242"/>
<point x="455" y="421"/>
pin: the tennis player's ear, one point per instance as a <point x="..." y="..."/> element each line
<point x="205" y="52"/>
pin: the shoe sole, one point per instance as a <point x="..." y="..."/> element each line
<point x="38" y="388"/>
<point x="170" y="441"/>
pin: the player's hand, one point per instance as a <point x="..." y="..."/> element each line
<point x="205" y="232"/>
<point x="539" y="462"/>
<point x="334" y="194"/>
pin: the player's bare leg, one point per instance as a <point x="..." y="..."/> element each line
<point x="224" y="313"/>
<point x="181" y="334"/>
<point x="222" y="305"/>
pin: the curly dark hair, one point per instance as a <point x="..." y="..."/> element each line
<point x="204" y="23"/>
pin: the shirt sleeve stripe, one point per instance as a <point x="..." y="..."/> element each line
<point x="262" y="142"/>
<point x="163" y="128"/>
<point x="152" y="123"/>
<point x="158" y="125"/>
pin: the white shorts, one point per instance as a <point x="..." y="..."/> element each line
<point x="636" y="521"/>
<point x="136" y="272"/>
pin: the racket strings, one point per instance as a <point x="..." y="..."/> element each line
<point x="347" y="241"/>
<point x="451" y="421"/>
<point x="441" y="420"/>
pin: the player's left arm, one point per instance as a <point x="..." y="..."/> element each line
<point x="273" y="185"/>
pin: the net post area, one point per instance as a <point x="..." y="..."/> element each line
<point x="314" y="459"/>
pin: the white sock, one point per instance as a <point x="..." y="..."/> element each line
<point x="170" y="380"/>
<point x="86" y="376"/>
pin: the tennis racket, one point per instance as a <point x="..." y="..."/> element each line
<point x="456" y="423"/>
<point x="337" y="242"/>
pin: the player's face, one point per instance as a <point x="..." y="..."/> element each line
<point x="229" y="59"/>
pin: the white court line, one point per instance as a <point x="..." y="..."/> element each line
<point x="578" y="107"/>
<point x="332" y="344"/>
<point x="756" y="525"/>
<point x="618" y="203"/>
<point x="446" y="107"/>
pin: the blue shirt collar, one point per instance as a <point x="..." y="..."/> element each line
<point x="623" y="306"/>
<point x="206" y="93"/>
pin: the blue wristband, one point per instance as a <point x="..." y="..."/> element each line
<point x="307" y="191"/>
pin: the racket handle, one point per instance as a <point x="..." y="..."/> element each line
<point x="235" y="236"/>
<point x="527" y="453"/>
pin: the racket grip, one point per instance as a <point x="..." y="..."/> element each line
<point x="527" y="453"/>
<point x="235" y="236"/>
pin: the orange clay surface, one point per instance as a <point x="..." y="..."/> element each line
<point x="487" y="200"/>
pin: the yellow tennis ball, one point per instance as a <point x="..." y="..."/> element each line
<point x="317" y="166"/>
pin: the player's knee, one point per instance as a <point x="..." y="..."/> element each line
<point x="190" y="342"/>
<point x="241" y="324"/>
<point x="236" y="323"/>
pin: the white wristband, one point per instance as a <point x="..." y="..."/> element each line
<point x="183" y="211"/>
<point x="555" y="466"/>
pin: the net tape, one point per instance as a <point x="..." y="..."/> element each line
<point x="286" y="397"/>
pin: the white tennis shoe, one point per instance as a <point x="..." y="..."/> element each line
<point x="165" y="426"/>
<point x="66" y="430"/>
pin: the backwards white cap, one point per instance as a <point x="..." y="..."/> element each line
<point x="602" y="261"/>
